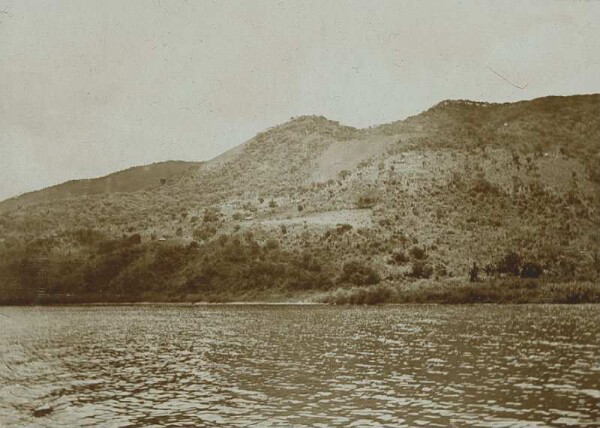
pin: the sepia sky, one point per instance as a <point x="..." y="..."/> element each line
<point x="88" y="87"/>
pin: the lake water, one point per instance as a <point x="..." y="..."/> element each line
<point x="300" y="366"/>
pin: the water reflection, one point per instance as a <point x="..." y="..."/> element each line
<point x="313" y="366"/>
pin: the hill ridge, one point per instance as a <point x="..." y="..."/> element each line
<point x="310" y="206"/>
<point x="141" y="176"/>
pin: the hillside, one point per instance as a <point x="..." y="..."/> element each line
<point x="128" y="180"/>
<point x="314" y="209"/>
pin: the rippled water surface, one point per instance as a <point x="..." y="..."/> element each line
<point x="296" y="365"/>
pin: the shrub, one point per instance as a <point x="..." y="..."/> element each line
<point x="271" y="244"/>
<point x="272" y="204"/>
<point x="167" y="260"/>
<point x="343" y="228"/>
<point x="234" y="251"/>
<point x="456" y="180"/>
<point x="108" y="246"/>
<point x="87" y="236"/>
<point x="481" y="185"/>
<point x="211" y="215"/>
<point x="441" y="270"/>
<point x="510" y="264"/>
<point x="421" y="270"/>
<point x="531" y="270"/>
<point x="204" y="233"/>
<point x="366" y="201"/>
<point x="399" y="258"/>
<point x="594" y="170"/>
<point x="249" y="207"/>
<point x="343" y="174"/>
<point x="357" y="273"/>
<point x="135" y="239"/>
<point x="418" y="253"/>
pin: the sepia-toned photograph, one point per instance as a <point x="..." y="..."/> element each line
<point x="299" y="213"/>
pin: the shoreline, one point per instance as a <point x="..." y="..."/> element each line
<point x="282" y="304"/>
<point x="426" y="291"/>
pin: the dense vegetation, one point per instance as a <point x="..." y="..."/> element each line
<point x="315" y="210"/>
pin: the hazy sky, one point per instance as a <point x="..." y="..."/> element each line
<point x="90" y="87"/>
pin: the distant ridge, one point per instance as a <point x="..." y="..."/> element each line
<point x="128" y="180"/>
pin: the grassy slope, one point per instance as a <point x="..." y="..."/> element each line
<point x="128" y="180"/>
<point x="310" y="207"/>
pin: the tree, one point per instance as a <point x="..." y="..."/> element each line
<point x="357" y="273"/>
<point x="421" y="269"/>
<point x="531" y="270"/>
<point x="510" y="264"/>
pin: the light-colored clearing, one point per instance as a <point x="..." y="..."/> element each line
<point x="356" y="218"/>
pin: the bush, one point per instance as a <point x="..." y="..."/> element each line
<point x="418" y="253"/>
<point x="357" y="273"/>
<point x="481" y="185"/>
<point x="343" y="174"/>
<point x="510" y="264"/>
<point x="343" y="228"/>
<point x="399" y="258"/>
<point x="108" y="246"/>
<point x="531" y="270"/>
<point x="211" y="215"/>
<point x="168" y="260"/>
<point x="135" y="239"/>
<point x="271" y="244"/>
<point x="366" y="201"/>
<point x="421" y="270"/>
<point x="87" y="236"/>
<point x="204" y="233"/>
